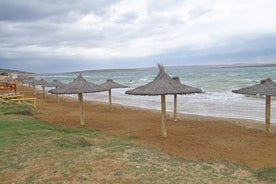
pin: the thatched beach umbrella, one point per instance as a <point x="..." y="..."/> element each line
<point x="22" y="78"/>
<point x="55" y="84"/>
<point x="189" y="90"/>
<point x="31" y="81"/>
<point x="42" y="82"/>
<point x="109" y="84"/>
<point x="78" y="86"/>
<point x="266" y="87"/>
<point x="162" y="85"/>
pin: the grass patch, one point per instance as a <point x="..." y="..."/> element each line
<point x="72" y="143"/>
<point x="16" y="109"/>
<point x="122" y="139"/>
<point x="267" y="174"/>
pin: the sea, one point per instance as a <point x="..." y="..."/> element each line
<point x="218" y="100"/>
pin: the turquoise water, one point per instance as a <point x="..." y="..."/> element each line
<point x="217" y="83"/>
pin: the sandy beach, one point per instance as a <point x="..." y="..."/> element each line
<point x="191" y="137"/>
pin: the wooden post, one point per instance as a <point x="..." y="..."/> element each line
<point x="81" y="108"/>
<point x="34" y="89"/>
<point x="110" y="100"/>
<point x="175" y="108"/>
<point x="43" y="87"/>
<point x="57" y="98"/>
<point x="267" y="114"/>
<point x="163" y="120"/>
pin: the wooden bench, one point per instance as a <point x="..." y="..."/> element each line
<point x="29" y="101"/>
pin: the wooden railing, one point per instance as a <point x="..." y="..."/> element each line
<point x="17" y="98"/>
<point x="29" y="101"/>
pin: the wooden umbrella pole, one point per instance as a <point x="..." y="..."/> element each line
<point x="267" y="113"/>
<point x="43" y="91"/>
<point x="163" y="120"/>
<point x="175" y="107"/>
<point x="57" y="98"/>
<point x="81" y="108"/>
<point x="34" y="89"/>
<point x="110" y="99"/>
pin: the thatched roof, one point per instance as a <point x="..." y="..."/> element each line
<point x="55" y="83"/>
<point x="109" y="84"/>
<point x="176" y="78"/>
<point x="23" y="77"/>
<point x="266" y="87"/>
<point x="79" y="85"/>
<point x="41" y="82"/>
<point x="189" y="89"/>
<point x="163" y="84"/>
<point x="30" y="80"/>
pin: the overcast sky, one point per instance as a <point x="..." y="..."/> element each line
<point x="72" y="35"/>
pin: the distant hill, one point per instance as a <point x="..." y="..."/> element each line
<point x="238" y="65"/>
<point x="15" y="71"/>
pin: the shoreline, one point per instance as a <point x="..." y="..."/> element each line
<point x="259" y="124"/>
<point x="180" y="107"/>
<point x="246" y="122"/>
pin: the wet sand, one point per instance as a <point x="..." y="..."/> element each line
<point x="191" y="137"/>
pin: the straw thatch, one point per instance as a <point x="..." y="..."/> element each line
<point x="189" y="88"/>
<point x="110" y="84"/>
<point x="266" y="87"/>
<point x="23" y="77"/>
<point x="79" y="85"/>
<point x="163" y="84"/>
<point x="29" y="81"/>
<point x="55" y="84"/>
<point x="41" y="82"/>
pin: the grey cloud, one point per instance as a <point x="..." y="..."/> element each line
<point x="237" y="48"/>
<point x="47" y="26"/>
<point x="16" y="10"/>
<point x="32" y="10"/>
<point x="127" y="18"/>
<point x="157" y="5"/>
<point x="48" y="22"/>
<point x="198" y="12"/>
